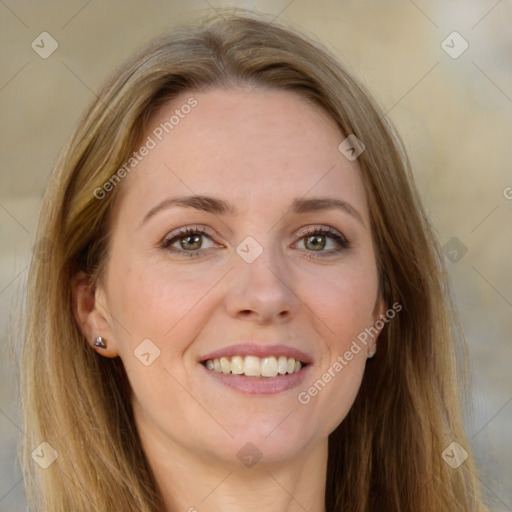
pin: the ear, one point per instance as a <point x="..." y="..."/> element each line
<point x="91" y="313"/>
<point x="379" y="313"/>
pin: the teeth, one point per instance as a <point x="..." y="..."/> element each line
<point x="225" y="365"/>
<point x="269" y="367"/>
<point x="237" y="365"/>
<point x="253" y="366"/>
<point x="282" y="365"/>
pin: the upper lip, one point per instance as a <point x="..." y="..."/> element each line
<point x="259" y="350"/>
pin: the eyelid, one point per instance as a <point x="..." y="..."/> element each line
<point x="324" y="230"/>
<point x="199" y="228"/>
<point x="316" y="227"/>
<point x="327" y="231"/>
<point x="203" y="229"/>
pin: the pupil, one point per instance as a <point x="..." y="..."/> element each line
<point x="317" y="244"/>
<point x="191" y="237"/>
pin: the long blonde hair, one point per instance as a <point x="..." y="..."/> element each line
<point x="387" y="453"/>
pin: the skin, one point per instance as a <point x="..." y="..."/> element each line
<point x="259" y="150"/>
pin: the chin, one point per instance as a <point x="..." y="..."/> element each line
<point x="269" y="445"/>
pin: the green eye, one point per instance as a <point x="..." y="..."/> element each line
<point x="315" y="240"/>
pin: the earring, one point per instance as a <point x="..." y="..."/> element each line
<point x="99" y="342"/>
<point x="372" y="352"/>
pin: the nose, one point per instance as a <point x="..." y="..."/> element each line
<point x="262" y="291"/>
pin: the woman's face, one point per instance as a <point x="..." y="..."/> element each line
<point x="268" y="269"/>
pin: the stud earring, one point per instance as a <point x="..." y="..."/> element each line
<point x="372" y="352"/>
<point x="99" y="342"/>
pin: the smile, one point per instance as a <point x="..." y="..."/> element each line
<point x="253" y="366"/>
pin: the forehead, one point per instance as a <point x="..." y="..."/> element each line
<point x="252" y="147"/>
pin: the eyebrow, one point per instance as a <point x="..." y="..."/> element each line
<point x="221" y="207"/>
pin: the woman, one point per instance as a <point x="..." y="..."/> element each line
<point x="242" y="305"/>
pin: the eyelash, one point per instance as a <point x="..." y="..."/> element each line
<point x="329" y="232"/>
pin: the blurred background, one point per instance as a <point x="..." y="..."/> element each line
<point x="442" y="72"/>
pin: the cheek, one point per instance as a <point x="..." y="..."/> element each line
<point x="153" y="302"/>
<point x="346" y="305"/>
<point x="158" y="314"/>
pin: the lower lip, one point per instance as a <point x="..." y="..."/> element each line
<point x="260" y="385"/>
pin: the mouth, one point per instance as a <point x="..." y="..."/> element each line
<point x="256" y="367"/>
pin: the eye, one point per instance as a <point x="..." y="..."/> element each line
<point x="315" y="240"/>
<point x="189" y="241"/>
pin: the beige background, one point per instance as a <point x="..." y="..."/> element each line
<point x="454" y="114"/>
